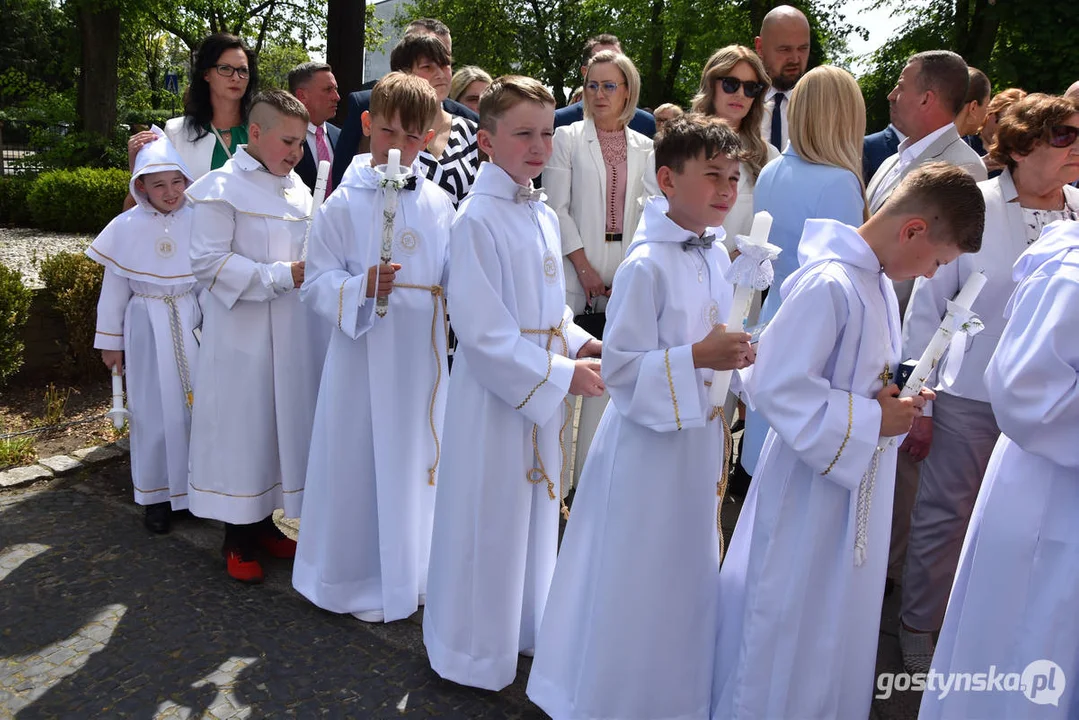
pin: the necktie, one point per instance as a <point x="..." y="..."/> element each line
<point x="525" y="194"/>
<point x="323" y="150"/>
<point x="703" y="242"/>
<point x="777" y="121"/>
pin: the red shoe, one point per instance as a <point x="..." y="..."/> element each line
<point x="277" y="545"/>
<point x="243" y="567"/>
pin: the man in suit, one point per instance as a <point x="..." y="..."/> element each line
<point x="783" y="45"/>
<point x="314" y="85"/>
<point x="350" y="143"/>
<point x="642" y="121"/>
<point x="923" y="106"/>
<point x="877" y="148"/>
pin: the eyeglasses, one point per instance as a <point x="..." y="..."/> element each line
<point x="608" y="88"/>
<point x="751" y="88"/>
<point x="1062" y="136"/>
<point x="228" y="70"/>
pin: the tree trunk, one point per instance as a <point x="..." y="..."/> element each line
<point x="345" y="26"/>
<point x="99" y="31"/>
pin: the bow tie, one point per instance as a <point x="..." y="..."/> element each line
<point x="704" y="242"/>
<point x="406" y="183"/>
<point x="528" y="194"/>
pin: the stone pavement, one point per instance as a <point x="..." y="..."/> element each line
<point x="100" y="619"/>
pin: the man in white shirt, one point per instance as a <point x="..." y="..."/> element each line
<point x="783" y="45"/>
<point x="314" y="85"/>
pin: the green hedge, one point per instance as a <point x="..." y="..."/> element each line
<point x="14" y="312"/>
<point x="81" y="200"/>
<point x="14" y="209"/>
<point x="73" y="284"/>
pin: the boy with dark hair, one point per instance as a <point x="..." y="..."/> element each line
<point x="801" y="589"/>
<point x="629" y="630"/>
<point x="261" y="351"/>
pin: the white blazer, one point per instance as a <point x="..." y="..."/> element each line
<point x="576" y="184"/>
<point x="196" y="154"/>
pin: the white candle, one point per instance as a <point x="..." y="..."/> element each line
<point x="393" y="163"/>
<point x="743" y="296"/>
<point x="965" y="299"/>
<point x="117" y="413"/>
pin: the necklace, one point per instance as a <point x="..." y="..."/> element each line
<point x="700" y="269"/>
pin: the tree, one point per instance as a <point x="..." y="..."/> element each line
<point x="346" y="25"/>
<point x="99" y="35"/>
<point x="275" y="61"/>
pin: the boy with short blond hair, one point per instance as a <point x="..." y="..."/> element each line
<point x="262" y="350"/>
<point x="496" y="516"/>
<point x="365" y="534"/>
<point x="147" y="309"/>
<point x="631" y="616"/>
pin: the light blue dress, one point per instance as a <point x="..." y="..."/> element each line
<point x="793" y="191"/>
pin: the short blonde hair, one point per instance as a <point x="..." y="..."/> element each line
<point x="632" y="78"/>
<point x="465" y="77"/>
<point x="827" y="120"/>
<point x="720" y="65"/>
<point x="410" y="98"/>
<point x="507" y="91"/>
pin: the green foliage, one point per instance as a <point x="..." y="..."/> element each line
<point x="73" y="283"/>
<point x="80" y="200"/>
<point x="37" y="42"/>
<point x="14" y="209"/>
<point x="14" y="312"/>
<point x="16" y="451"/>
<point x="275" y="61"/>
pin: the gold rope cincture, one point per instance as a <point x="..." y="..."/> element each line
<point x="228" y="153"/>
<point x="177" y="330"/>
<point x="538" y="473"/>
<point x="436" y="295"/>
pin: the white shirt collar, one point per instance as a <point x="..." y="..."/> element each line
<point x="312" y="129"/>
<point x="909" y="151"/>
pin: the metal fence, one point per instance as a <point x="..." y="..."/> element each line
<point x="16" y="152"/>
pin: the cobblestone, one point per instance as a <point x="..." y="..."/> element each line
<point x="97" y="453"/>
<point x="23" y="475"/>
<point x="61" y="464"/>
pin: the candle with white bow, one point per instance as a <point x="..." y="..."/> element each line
<point x="958" y="324"/>
<point x="319" y="194"/>
<point x="751" y="271"/>
<point x="118" y="414"/>
<point x="393" y="177"/>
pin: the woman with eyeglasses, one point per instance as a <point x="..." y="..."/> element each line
<point x="732" y="88"/>
<point x="594" y="181"/>
<point x="223" y="80"/>
<point x="1037" y="143"/>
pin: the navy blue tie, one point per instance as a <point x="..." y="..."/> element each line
<point x="777" y="121"/>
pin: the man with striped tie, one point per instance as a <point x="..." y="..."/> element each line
<point x="313" y="85"/>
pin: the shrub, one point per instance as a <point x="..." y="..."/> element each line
<point x="60" y="148"/>
<point x="73" y="283"/>
<point x="81" y="200"/>
<point x="14" y="312"/>
<point x="14" y="190"/>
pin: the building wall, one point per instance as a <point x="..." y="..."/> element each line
<point x="377" y="63"/>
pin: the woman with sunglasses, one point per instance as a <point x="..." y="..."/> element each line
<point x="594" y="181"/>
<point x="733" y="84"/>
<point x="1037" y="143"/>
<point x="223" y="80"/>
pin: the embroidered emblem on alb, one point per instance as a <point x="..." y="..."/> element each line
<point x="166" y="248"/>
<point x="710" y="314"/>
<point x="408" y="240"/>
<point x="550" y="268"/>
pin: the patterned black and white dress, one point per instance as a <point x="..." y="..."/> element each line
<point x="456" y="169"/>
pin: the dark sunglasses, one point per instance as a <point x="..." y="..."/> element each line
<point x="751" y="88"/>
<point x="1062" y="136"/>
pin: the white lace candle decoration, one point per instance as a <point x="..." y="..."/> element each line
<point x="393" y="178"/>
<point x="751" y="271"/>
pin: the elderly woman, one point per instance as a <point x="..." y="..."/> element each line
<point x="452" y="157"/>
<point x="224" y="78"/>
<point x="1037" y="143"/>
<point x="594" y="181"/>
<point x="467" y="85"/>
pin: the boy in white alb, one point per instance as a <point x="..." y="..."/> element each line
<point x="147" y="310"/>
<point x="262" y="351"/>
<point x="365" y="531"/>
<point x="801" y="588"/>
<point x="496" y="516"/>
<point x="629" y="629"/>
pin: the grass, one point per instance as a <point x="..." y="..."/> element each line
<point x="17" y="451"/>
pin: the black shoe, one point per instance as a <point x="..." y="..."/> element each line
<point x="889" y="587"/>
<point x="738" y="483"/>
<point x="158" y="517"/>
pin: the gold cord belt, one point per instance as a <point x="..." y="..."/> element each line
<point x="721" y="486"/>
<point x="439" y="299"/>
<point x="177" y="329"/>
<point x="538" y="473"/>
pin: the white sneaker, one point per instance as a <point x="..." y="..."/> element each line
<point x="370" y="616"/>
<point x="917" y="649"/>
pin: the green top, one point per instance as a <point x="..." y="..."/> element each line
<point x="238" y="138"/>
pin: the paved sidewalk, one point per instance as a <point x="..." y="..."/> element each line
<point x="100" y="619"/>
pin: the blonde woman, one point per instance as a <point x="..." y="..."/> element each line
<point x="733" y="85"/>
<point x="594" y="180"/>
<point x="467" y="85"/>
<point x="818" y="176"/>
